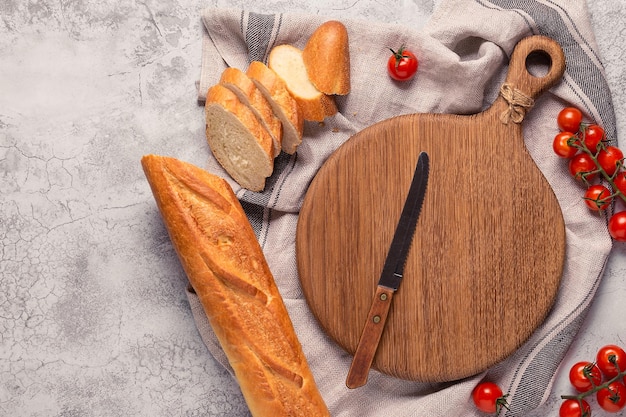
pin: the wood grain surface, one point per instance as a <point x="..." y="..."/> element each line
<point x="487" y="257"/>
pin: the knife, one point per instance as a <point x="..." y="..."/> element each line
<point x="390" y="277"/>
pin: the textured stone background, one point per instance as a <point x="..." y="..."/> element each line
<point x="93" y="316"/>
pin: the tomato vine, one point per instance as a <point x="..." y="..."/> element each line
<point x="606" y="378"/>
<point x="593" y="161"/>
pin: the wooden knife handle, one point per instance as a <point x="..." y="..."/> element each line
<point x="370" y="337"/>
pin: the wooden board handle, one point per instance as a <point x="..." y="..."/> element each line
<point x="519" y="76"/>
<point x="370" y="337"/>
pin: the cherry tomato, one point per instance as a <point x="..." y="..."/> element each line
<point x="620" y="182"/>
<point x="612" y="398"/>
<point x="594" y="135"/>
<point x="609" y="157"/>
<point x="611" y="352"/>
<point x="571" y="408"/>
<point x="402" y="65"/>
<point x="598" y="197"/>
<point x="584" y="376"/>
<point x="582" y="167"/>
<point x="561" y="145"/>
<point x="569" y="119"/>
<point x="488" y="397"/>
<point x="617" y="230"/>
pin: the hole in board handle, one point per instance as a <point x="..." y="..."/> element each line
<point x="538" y="63"/>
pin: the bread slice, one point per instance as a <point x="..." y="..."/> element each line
<point x="241" y="145"/>
<point x="285" y="107"/>
<point x="286" y="60"/>
<point x="227" y="269"/>
<point x="326" y="57"/>
<point x="248" y="93"/>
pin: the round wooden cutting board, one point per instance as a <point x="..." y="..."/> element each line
<point x="487" y="256"/>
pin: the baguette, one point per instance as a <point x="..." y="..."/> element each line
<point x="286" y="60"/>
<point x="326" y="57"/>
<point x="283" y="104"/>
<point x="248" y="93"/>
<point x="241" y="145"/>
<point x="228" y="271"/>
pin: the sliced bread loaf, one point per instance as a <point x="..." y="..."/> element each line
<point x="326" y="57"/>
<point x="249" y="94"/>
<point x="285" y="107"/>
<point x="286" y="60"/>
<point x="237" y="139"/>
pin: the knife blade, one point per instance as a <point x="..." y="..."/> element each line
<point x="390" y="277"/>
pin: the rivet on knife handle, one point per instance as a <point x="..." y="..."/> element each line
<point x="391" y="276"/>
<point x="370" y="337"/>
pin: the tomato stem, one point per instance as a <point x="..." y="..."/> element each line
<point x="502" y="402"/>
<point x="587" y="370"/>
<point x="399" y="53"/>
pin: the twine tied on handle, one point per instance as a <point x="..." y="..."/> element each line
<point x="518" y="102"/>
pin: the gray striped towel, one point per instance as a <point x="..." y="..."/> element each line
<point x="463" y="51"/>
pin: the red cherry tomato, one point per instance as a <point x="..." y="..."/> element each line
<point x="582" y="167"/>
<point x="402" y="65"/>
<point x="598" y="197"/>
<point x="609" y="157"/>
<point x="584" y="376"/>
<point x="488" y="397"/>
<point x="612" y="398"/>
<point x="569" y="119"/>
<point x="617" y="229"/>
<point x="594" y="135"/>
<point x="620" y="182"/>
<point x="562" y="145"/>
<point x="609" y="353"/>
<point x="571" y="408"/>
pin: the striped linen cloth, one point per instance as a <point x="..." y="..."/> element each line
<point x="463" y="51"/>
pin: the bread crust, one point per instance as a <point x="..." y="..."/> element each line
<point x="326" y="57"/>
<point x="248" y="93"/>
<point x="226" y="267"/>
<point x="286" y="61"/>
<point x="282" y="103"/>
<point x="241" y="145"/>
